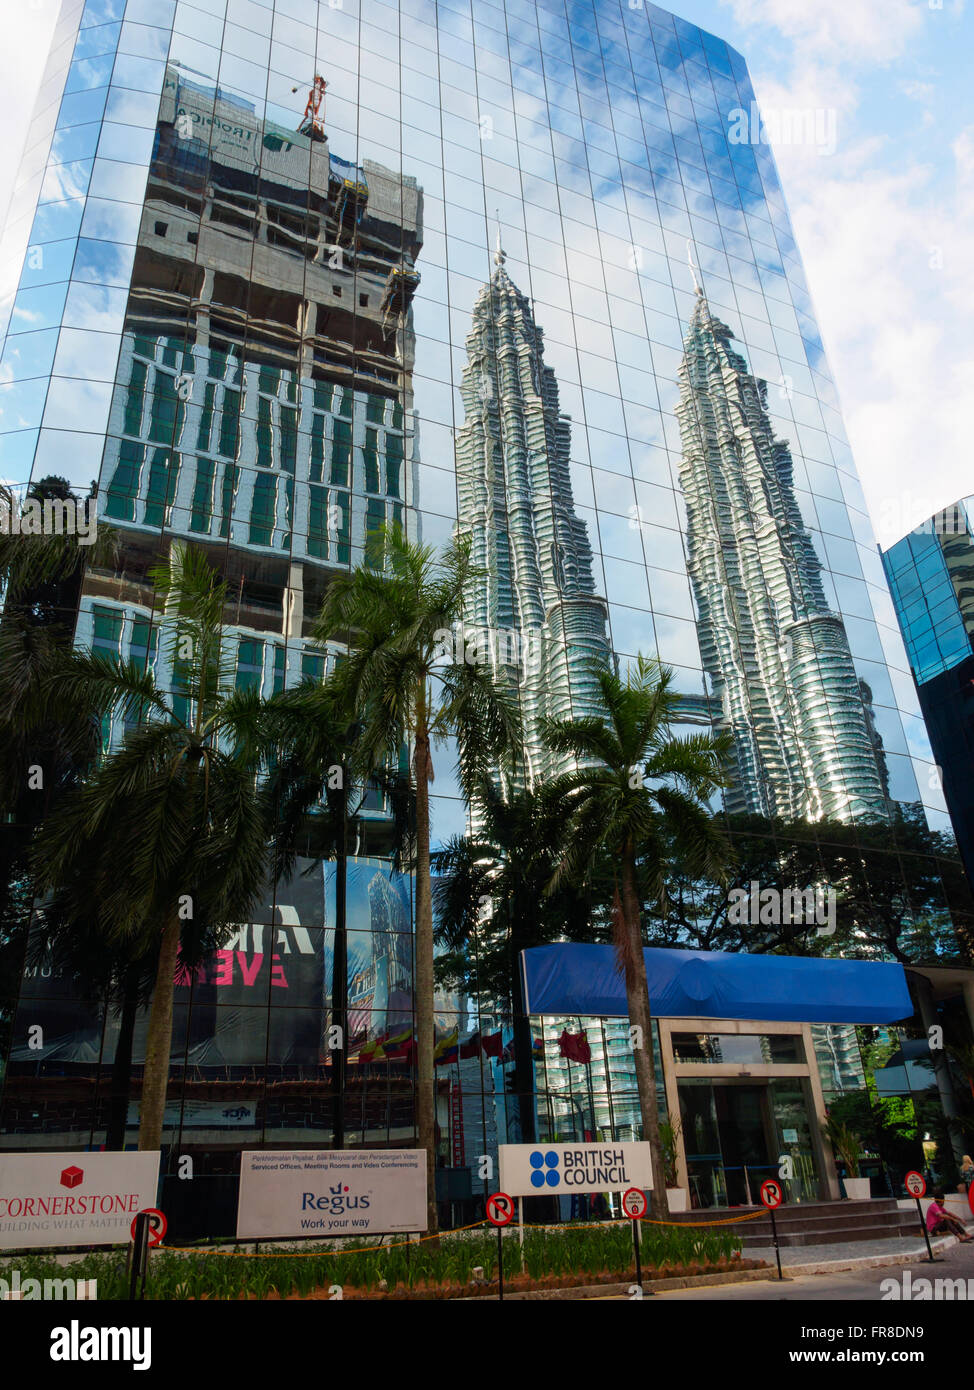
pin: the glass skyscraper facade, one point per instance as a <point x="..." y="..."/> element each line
<point x="931" y="578"/>
<point x="283" y="272"/>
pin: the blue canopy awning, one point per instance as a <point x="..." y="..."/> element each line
<point x="569" y="979"/>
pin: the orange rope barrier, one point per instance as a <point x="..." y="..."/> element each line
<point x="394" y="1245"/>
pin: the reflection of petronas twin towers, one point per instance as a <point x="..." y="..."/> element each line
<point x="515" y="500"/>
<point x="777" y="657"/>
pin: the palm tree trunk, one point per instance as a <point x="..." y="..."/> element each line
<point x="423" y="1003"/>
<point x="158" y="1043"/>
<point x="339" y="978"/>
<point x="523" y="1048"/>
<point x="637" y="1001"/>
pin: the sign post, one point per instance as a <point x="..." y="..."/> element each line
<point x="634" y="1205"/>
<point x="772" y="1196"/>
<point x="138" y="1255"/>
<point x="915" y="1184"/>
<point x="148" y="1229"/>
<point x="500" y="1212"/>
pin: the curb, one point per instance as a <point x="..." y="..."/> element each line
<point x="578" y="1291"/>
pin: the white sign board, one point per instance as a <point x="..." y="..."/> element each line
<point x="559" y="1170"/>
<point x="330" y="1192"/>
<point x="74" y="1198"/>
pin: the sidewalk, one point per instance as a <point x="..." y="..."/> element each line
<point x="830" y="1259"/>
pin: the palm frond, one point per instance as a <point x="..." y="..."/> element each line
<point x="484" y="717"/>
<point x="29" y="561"/>
<point x="103" y="685"/>
<point x="584" y="738"/>
<point x="699" y="762"/>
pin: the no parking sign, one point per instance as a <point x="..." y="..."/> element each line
<point x="772" y="1194"/>
<point x="500" y="1212"/>
<point x="915" y="1184"/>
<point x="158" y="1225"/>
<point x="500" y="1209"/>
<point x="634" y="1204"/>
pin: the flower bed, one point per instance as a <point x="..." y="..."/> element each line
<point x="556" y="1257"/>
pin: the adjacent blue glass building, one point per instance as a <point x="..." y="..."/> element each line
<point x="931" y="578"/>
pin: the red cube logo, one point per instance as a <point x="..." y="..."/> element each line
<point x="70" y="1177"/>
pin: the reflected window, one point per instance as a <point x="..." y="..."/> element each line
<point x="729" y="1048"/>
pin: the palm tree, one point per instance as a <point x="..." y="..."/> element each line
<point x="318" y="788"/>
<point x="508" y="864"/>
<point x="641" y="795"/>
<point x="170" y="834"/>
<point x="45" y="746"/>
<point x="41" y="572"/>
<point x="106" y="972"/>
<point x="45" y="749"/>
<point x="395" y="612"/>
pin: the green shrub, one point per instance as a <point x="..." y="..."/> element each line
<point x="558" y="1251"/>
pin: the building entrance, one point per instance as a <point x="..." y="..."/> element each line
<point x="742" y="1126"/>
<point x="735" y="1135"/>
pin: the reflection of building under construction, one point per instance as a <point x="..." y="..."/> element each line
<point x="262" y="411"/>
<point x="534" y="607"/>
<point x="263" y="398"/>
<point x="776" y="655"/>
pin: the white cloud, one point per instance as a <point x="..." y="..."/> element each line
<point x="888" y="260"/>
<point x="849" y="29"/>
<point x="917" y="91"/>
<point x="27" y="31"/>
<point x="887" y="243"/>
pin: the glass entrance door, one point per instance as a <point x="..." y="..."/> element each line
<point x="742" y="1122"/>
<point x="791" y="1107"/>
<point x="735" y="1135"/>
<point x="701" y="1144"/>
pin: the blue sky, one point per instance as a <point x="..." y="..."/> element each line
<point x="885" y="224"/>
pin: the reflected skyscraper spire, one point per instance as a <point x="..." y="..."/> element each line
<point x="534" y="607"/>
<point x="777" y="656"/>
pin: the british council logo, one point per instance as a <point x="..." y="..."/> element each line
<point x="545" y="1167"/>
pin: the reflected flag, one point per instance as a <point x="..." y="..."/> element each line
<point x="447" y="1049"/>
<point x="575" y="1046"/>
<point x="471" y="1048"/>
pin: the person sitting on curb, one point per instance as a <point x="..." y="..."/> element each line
<point x="941" y="1222"/>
